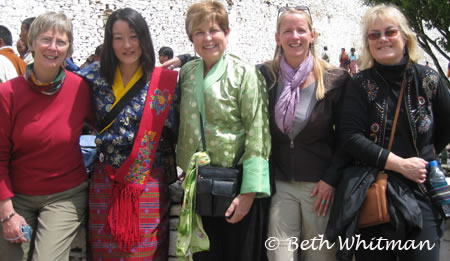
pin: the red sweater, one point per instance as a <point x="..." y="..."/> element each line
<point x="39" y="137"/>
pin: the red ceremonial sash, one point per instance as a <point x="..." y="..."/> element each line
<point x="130" y="178"/>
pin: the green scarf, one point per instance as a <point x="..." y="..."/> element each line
<point x="191" y="237"/>
<point x="45" y="88"/>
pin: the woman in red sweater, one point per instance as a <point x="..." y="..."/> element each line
<point x="43" y="182"/>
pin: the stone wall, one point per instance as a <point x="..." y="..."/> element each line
<point x="252" y="23"/>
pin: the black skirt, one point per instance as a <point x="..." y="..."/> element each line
<point x="243" y="241"/>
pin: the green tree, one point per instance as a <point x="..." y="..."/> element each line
<point x="427" y="14"/>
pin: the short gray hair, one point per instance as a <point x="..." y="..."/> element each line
<point x="51" y="20"/>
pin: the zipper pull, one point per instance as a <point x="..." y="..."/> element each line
<point x="292" y="144"/>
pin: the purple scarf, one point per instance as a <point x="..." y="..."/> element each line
<point x="292" y="80"/>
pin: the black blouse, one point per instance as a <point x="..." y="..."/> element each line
<point x="369" y="107"/>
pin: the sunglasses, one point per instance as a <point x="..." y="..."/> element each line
<point x="299" y="8"/>
<point x="388" y="33"/>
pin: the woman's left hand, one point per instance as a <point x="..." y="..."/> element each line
<point x="325" y="197"/>
<point x="240" y="206"/>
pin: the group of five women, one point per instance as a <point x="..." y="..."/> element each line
<point x="295" y="119"/>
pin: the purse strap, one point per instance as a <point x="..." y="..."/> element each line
<point x="121" y="103"/>
<point x="236" y="159"/>
<point x="397" y="110"/>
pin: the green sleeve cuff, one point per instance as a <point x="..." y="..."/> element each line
<point x="256" y="177"/>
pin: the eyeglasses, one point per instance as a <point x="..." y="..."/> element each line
<point x="299" y="8"/>
<point x="47" y="41"/>
<point x="388" y="33"/>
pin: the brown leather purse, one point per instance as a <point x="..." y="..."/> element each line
<point x="374" y="208"/>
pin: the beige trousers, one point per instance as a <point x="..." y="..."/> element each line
<point x="295" y="230"/>
<point x="54" y="219"/>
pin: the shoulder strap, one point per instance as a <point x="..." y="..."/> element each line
<point x="121" y="103"/>
<point x="397" y="110"/>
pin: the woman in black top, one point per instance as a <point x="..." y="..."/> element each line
<point x="389" y="56"/>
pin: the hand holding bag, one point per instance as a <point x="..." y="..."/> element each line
<point x="216" y="189"/>
<point x="217" y="186"/>
<point x="374" y="210"/>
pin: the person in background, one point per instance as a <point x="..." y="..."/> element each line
<point x="325" y="55"/>
<point x="21" y="48"/>
<point x="43" y="179"/>
<point x="7" y="70"/>
<point x="7" y="50"/>
<point x="234" y="117"/>
<point x="304" y="105"/>
<point x="353" y="61"/>
<point x="165" y="53"/>
<point x="129" y="197"/>
<point x="24" y="28"/>
<point x="344" y="60"/>
<point x="389" y="61"/>
<point x="93" y="57"/>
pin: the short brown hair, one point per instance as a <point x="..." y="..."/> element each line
<point x="206" y="11"/>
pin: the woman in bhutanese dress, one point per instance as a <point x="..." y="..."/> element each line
<point x="231" y="97"/>
<point x="129" y="198"/>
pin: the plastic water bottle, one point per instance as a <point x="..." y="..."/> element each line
<point x="439" y="184"/>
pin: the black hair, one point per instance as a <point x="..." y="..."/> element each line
<point x="98" y="50"/>
<point x="27" y="22"/>
<point x="5" y="34"/>
<point x="166" y="51"/>
<point x="109" y="61"/>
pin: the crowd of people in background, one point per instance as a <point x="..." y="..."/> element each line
<point x="293" y="127"/>
<point x="349" y="61"/>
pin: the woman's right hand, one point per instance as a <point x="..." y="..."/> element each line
<point x="413" y="168"/>
<point x="12" y="229"/>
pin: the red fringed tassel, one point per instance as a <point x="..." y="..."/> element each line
<point x="123" y="216"/>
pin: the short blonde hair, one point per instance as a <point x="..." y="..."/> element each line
<point x="319" y="65"/>
<point x="51" y="20"/>
<point x="392" y="13"/>
<point x="203" y="12"/>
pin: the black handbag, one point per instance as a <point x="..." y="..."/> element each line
<point x="217" y="186"/>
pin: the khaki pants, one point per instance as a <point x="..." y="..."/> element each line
<point x="295" y="230"/>
<point x="54" y="219"/>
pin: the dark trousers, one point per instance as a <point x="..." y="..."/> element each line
<point x="243" y="241"/>
<point x="432" y="231"/>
